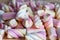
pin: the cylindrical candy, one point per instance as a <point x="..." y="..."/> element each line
<point x="23" y="7"/>
<point x="48" y="21"/>
<point x="51" y="12"/>
<point x="52" y="33"/>
<point x="8" y="15"/>
<point x="22" y="14"/>
<point x="1" y="12"/>
<point x="29" y="31"/>
<point x="30" y="12"/>
<point x="36" y="36"/>
<point x="28" y="23"/>
<point x="58" y="14"/>
<point x="50" y="6"/>
<point x="38" y="22"/>
<point x="41" y="12"/>
<point x="2" y="33"/>
<point x="58" y="33"/>
<point x="16" y="33"/>
<point x="13" y="23"/>
<point x="5" y="8"/>
<point x="56" y="23"/>
<point x="33" y="6"/>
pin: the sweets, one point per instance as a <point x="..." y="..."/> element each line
<point x="50" y="6"/>
<point x="29" y="31"/>
<point x="13" y="23"/>
<point x="8" y="15"/>
<point x="51" y="12"/>
<point x="16" y="33"/>
<point x="49" y="27"/>
<point x="38" y="23"/>
<point x="30" y="20"/>
<point x="35" y="36"/>
<point x="52" y="33"/>
<point x="1" y="33"/>
<point x="41" y="12"/>
<point x="48" y="21"/>
<point x="28" y="23"/>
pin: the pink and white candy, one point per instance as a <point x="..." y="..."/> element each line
<point x="13" y="23"/>
<point x="16" y="33"/>
<point x="28" y="23"/>
<point x="38" y="22"/>
<point x="52" y="33"/>
<point x="48" y="21"/>
<point x="36" y="36"/>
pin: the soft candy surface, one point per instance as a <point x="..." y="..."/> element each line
<point x="30" y="19"/>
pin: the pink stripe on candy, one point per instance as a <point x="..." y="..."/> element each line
<point x="11" y="32"/>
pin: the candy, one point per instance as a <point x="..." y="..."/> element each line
<point x="48" y="21"/>
<point x="22" y="14"/>
<point x="51" y="12"/>
<point x="37" y="22"/>
<point x="56" y="23"/>
<point x="50" y="6"/>
<point x="11" y="9"/>
<point x="58" y="33"/>
<point x="33" y="6"/>
<point x="58" y="14"/>
<point x="20" y="0"/>
<point x="13" y="23"/>
<point x="16" y="33"/>
<point x="27" y="37"/>
<point x="35" y="36"/>
<point x="41" y="12"/>
<point x="1" y="12"/>
<point x="28" y="23"/>
<point x="38" y="3"/>
<point x="29" y="31"/>
<point x="30" y="12"/>
<point x="23" y="6"/>
<point x="29" y="19"/>
<point x="14" y="2"/>
<point x="5" y="8"/>
<point x="8" y="15"/>
<point x="2" y="33"/>
<point x="52" y="33"/>
<point x="18" y="5"/>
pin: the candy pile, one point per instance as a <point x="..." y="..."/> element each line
<point x="30" y="19"/>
